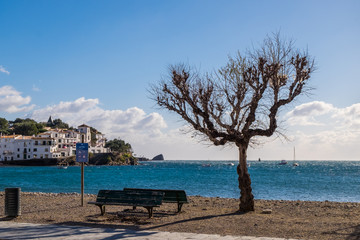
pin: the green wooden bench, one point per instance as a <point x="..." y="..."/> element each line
<point x="170" y="196"/>
<point x="148" y="200"/>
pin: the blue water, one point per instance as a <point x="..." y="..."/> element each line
<point x="312" y="180"/>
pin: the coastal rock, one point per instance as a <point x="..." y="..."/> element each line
<point x="158" y="157"/>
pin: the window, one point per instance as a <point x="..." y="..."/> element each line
<point x="18" y="149"/>
<point x="18" y="156"/>
<point x="35" y="150"/>
<point x="36" y="142"/>
<point x="46" y="150"/>
<point x="46" y="156"/>
<point x="35" y="156"/>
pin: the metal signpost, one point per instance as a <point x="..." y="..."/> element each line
<point x="82" y="156"/>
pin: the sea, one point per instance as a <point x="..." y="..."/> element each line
<point x="310" y="181"/>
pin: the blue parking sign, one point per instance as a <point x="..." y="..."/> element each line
<point x="82" y="152"/>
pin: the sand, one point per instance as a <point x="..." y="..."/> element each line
<point x="286" y="219"/>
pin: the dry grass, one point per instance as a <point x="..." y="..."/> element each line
<point x="288" y="219"/>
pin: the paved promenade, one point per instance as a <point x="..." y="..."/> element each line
<point x="21" y="231"/>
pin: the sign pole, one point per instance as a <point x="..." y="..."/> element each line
<point x="82" y="156"/>
<point x="82" y="184"/>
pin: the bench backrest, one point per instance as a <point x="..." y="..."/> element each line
<point x="130" y="197"/>
<point x="177" y="196"/>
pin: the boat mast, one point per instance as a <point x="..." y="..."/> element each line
<point x="294" y="153"/>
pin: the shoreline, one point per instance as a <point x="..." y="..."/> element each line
<point x="209" y="215"/>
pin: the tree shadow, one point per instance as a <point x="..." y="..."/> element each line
<point x="135" y="229"/>
<point x="44" y="231"/>
<point x="195" y="219"/>
<point x="349" y="233"/>
<point x="137" y="220"/>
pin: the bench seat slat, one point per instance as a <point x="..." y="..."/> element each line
<point x="170" y="196"/>
<point x="128" y="198"/>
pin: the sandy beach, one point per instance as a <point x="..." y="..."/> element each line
<point x="288" y="219"/>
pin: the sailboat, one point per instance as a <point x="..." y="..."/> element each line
<point x="295" y="164"/>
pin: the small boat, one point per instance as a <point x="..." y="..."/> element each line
<point x="206" y="165"/>
<point x="63" y="165"/>
<point x="230" y="164"/>
<point x="283" y="162"/>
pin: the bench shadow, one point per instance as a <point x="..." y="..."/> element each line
<point x="7" y="218"/>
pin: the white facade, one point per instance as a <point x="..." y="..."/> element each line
<point x="51" y="144"/>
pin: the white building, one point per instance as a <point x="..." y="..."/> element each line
<point x="55" y="143"/>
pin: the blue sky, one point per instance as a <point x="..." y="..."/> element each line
<point x="92" y="62"/>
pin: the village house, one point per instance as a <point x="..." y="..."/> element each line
<point x="54" y="143"/>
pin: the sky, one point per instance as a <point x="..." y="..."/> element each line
<point x="93" y="62"/>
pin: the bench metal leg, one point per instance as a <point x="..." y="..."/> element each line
<point x="150" y="210"/>
<point x="179" y="207"/>
<point x="102" y="209"/>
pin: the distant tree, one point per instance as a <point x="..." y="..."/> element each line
<point x="18" y="120"/>
<point x="58" y="123"/>
<point x="4" y="126"/>
<point x="118" y="145"/>
<point x="239" y="102"/>
<point x="41" y="127"/>
<point x="26" y="128"/>
<point x="50" y="122"/>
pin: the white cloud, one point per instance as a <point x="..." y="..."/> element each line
<point x="306" y="114"/>
<point x="146" y="132"/>
<point x="311" y="109"/>
<point x="317" y="129"/>
<point x="133" y="124"/>
<point x="11" y="101"/>
<point x="325" y="132"/>
<point x="349" y="116"/>
<point x="3" y="70"/>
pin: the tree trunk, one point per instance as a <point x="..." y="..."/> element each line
<point x="246" y="196"/>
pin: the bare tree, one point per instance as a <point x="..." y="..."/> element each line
<point x="239" y="102"/>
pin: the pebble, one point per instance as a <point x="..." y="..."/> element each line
<point x="266" y="211"/>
